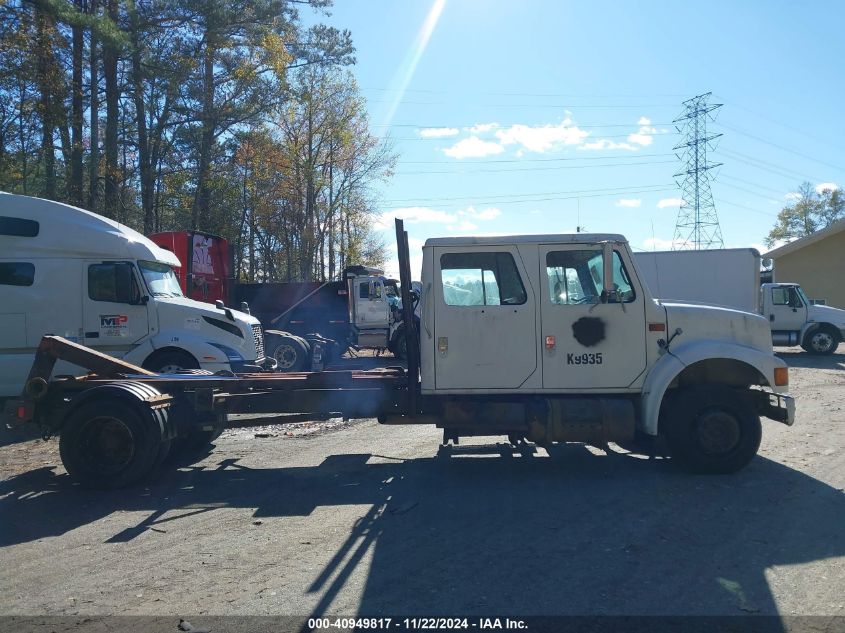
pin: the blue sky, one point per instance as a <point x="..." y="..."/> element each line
<point x="535" y="116"/>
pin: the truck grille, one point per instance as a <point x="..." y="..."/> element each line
<point x="259" y="341"/>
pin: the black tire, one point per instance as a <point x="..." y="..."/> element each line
<point x="822" y="341"/>
<point x="171" y="362"/>
<point x="399" y="345"/>
<point x="109" y="444"/>
<point x="290" y="352"/>
<point x="711" y="429"/>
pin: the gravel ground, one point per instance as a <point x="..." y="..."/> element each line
<point x="306" y="518"/>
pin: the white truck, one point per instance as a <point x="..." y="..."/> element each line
<point x="73" y="273"/>
<point x="731" y="277"/>
<point x="539" y="338"/>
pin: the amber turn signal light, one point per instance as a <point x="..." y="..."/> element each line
<point x="781" y="376"/>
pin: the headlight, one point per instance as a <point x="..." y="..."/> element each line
<point x="232" y="354"/>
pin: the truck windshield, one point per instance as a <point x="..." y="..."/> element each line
<point x="161" y="280"/>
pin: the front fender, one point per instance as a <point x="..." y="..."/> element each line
<point x="679" y="357"/>
<point x="197" y="345"/>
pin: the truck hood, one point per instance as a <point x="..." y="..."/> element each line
<point x="180" y="316"/>
<point x="826" y="314"/>
<point x="207" y="309"/>
<point x="716" y="323"/>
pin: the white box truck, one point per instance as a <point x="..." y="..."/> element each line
<point x="731" y="277"/>
<point x="73" y="273"/>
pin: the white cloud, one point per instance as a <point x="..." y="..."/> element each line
<point x="826" y="186"/>
<point x="669" y="202"/>
<point x="461" y="220"/>
<point x="438" y="132"/>
<point x="490" y="213"/>
<point x="603" y="143"/>
<point x="542" y="138"/>
<point x="481" y="128"/>
<point x="473" y="147"/>
<point x="414" y="215"/>
<point x="644" y="136"/>
<point x="793" y="195"/>
<point x="629" y="202"/>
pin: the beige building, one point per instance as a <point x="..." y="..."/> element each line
<point x="817" y="262"/>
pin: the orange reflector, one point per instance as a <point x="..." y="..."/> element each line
<point x="209" y="358"/>
<point x="550" y="342"/>
<point x="781" y="376"/>
<point x="656" y="327"/>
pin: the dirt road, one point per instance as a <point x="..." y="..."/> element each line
<point x="370" y="519"/>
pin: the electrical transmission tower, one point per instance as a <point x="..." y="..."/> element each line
<point x="697" y="226"/>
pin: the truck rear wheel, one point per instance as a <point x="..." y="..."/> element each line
<point x="712" y="429"/>
<point x="108" y="444"/>
<point x="290" y="352"/>
<point x="822" y="341"/>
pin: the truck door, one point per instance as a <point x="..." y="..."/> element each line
<point x="484" y="324"/>
<point x="588" y="344"/>
<point x="114" y="313"/>
<point x="784" y="308"/>
<point x="371" y="305"/>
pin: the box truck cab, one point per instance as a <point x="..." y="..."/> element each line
<point x="795" y="321"/>
<point x="73" y="273"/>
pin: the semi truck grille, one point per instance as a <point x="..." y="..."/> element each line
<point x="259" y="341"/>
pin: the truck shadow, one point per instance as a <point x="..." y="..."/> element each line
<point x="578" y="533"/>
<point x="799" y="358"/>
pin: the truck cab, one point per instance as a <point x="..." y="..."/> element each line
<point x="538" y="332"/>
<point x="94" y="281"/>
<point x="796" y="321"/>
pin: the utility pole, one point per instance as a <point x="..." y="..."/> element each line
<point x="697" y="226"/>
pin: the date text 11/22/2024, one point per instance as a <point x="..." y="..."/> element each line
<point x="413" y="624"/>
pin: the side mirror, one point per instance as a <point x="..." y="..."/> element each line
<point x="608" y="293"/>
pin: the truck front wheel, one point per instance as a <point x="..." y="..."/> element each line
<point x="290" y="352"/>
<point x="170" y="362"/>
<point x="822" y="341"/>
<point x="711" y="429"/>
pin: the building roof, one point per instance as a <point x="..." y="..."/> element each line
<point x="786" y="249"/>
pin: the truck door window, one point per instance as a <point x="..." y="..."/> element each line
<point x="110" y="282"/>
<point x="577" y="276"/>
<point x="481" y="279"/>
<point x="784" y="296"/>
<point x="17" y="274"/>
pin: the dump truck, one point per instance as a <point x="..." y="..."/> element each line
<point x="360" y="310"/>
<point x="537" y="338"/>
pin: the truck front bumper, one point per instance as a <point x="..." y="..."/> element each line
<point x="777" y="406"/>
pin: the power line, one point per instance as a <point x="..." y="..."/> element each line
<point x="564" y="106"/>
<point x="506" y="125"/>
<point x="538" y="160"/>
<point x="762" y="165"/>
<point x="611" y="191"/>
<point x="781" y="147"/>
<point x="555" y="198"/>
<point x="491" y="171"/>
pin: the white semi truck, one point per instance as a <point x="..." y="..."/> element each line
<point x="91" y="280"/>
<point x="731" y="277"/>
<point x="540" y="338"/>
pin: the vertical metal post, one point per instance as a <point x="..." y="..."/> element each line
<point x="412" y="345"/>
